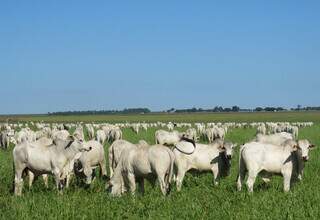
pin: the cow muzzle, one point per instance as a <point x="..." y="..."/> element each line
<point x="305" y="158"/>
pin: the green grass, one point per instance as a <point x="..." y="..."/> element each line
<point x="199" y="198"/>
<point x="194" y="117"/>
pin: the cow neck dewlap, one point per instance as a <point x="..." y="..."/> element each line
<point x="71" y="151"/>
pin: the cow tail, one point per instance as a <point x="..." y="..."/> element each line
<point x="111" y="160"/>
<point x="171" y="171"/>
<point x="13" y="178"/>
<point x="242" y="165"/>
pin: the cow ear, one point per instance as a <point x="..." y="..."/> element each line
<point x="295" y="147"/>
<point x="71" y="138"/>
<point x="312" y="146"/>
<point x="222" y="148"/>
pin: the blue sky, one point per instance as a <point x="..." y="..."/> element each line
<point x="81" y="55"/>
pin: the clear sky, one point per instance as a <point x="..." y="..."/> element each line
<point x="84" y="55"/>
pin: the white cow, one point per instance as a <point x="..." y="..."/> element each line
<point x="60" y="134"/>
<point x="89" y="160"/>
<point x="101" y="136"/>
<point x="40" y="160"/>
<point x="116" y="149"/>
<point x="215" y="157"/>
<point x="275" y="139"/>
<point x="4" y="139"/>
<point x="143" y="162"/>
<point x="267" y="159"/>
<point x="41" y="142"/>
<point x="191" y="133"/>
<point x="167" y="138"/>
<point x="115" y="134"/>
<point x="90" y="131"/>
<point x="78" y="133"/>
<point x="261" y="129"/>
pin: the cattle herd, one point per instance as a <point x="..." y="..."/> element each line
<point x="61" y="150"/>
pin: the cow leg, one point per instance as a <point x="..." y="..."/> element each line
<point x="88" y="173"/>
<point x="162" y="184"/>
<point x="31" y="178"/>
<point x="241" y="175"/>
<point x="215" y="172"/>
<point x="111" y="163"/>
<point x="251" y="179"/>
<point x="59" y="184"/>
<point x="18" y="181"/>
<point x="69" y="178"/>
<point x="286" y="173"/>
<point x="103" y="169"/>
<point x="300" y="169"/>
<point x="179" y="179"/>
<point x="131" y="182"/>
<point x="141" y="184"/>
<point x="45" y="180"/>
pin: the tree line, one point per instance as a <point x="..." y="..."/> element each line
<point x="104" y="112"/>
<point x="187" y="110"/>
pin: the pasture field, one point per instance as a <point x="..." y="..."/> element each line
<point x="199" y="198"/>
<point x="291" y="116"/>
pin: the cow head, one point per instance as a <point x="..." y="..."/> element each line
<point x="304" y="146"/>
<point x="227" y="147"/>
<point x="77" y="143"/>
<point x="114" y="187"/>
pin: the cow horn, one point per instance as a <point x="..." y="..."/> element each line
<point x="189" y="140"/>
<point x="69" y="144"/>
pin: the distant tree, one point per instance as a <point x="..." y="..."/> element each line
<point x="299" y="107"/>
<point x="259" y="109"/>
<point x="235" y="108"/>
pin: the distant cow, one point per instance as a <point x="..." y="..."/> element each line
<point x="276" y="139"/>
<point x="4" y="139"/>
<point x="168" y="138"/>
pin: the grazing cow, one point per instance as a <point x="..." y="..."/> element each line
<point x="90" y="131"/>
<point x="191" y="133"/>
<point x="116" y="149"/>
<point x="21" y="137"/>
<point x="89" y="160"/>
<point x="115" y="134"/>
<point x="101" y="136"/>
<point x="267" y="159"/>
<point x="215" y="157"/>
<point x="78" y="133"/>
<point x="4" y="139"/>
<point x="40" y="160"/>
<point x="261" y="129"/>
<point x="168" y="138"/>
<point x="143" y="162"/>
<point x="275" y="139"/>
<point x="60" y="134"/>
